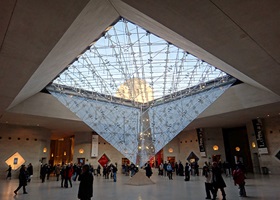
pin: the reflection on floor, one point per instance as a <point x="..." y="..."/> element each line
<point x="257" y="187"/>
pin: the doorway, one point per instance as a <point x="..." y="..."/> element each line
<point x="171" y="159"/>
<point x="216" y="158"/>
<point x="81" y="161"/>
<point x="237" y="147"/>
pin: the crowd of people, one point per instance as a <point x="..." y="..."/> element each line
<point x="212" y="172"/>
<point x="67" y="173"/>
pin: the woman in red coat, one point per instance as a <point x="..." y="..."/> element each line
<point x="239" y="179"/>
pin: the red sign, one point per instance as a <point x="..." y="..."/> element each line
<point x="103" y="160"/>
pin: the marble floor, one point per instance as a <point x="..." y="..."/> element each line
<point x="257" y="186"/>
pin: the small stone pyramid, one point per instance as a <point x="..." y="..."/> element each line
<point x="140" y="178"/>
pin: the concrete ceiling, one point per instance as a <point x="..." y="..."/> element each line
<point x="40" y="38"/>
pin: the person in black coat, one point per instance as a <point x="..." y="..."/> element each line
<point x="22" y="179"/>
<point x="86" y="184"/>
<point x="218" y="181"/>
<point x="9" y="170"/>
<point x="180" y="169"/>
<point x="148" y="169"/>
<point x="43" y="172"/>
<point x="187" y="171"/>
<point x="30" y="171"/>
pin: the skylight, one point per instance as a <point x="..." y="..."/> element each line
<point x="137" y="90"/>
<point x="130" y="63"/>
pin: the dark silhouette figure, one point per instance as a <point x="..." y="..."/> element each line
<point x="86" y="184"/>
<point x="43" y="172"/>
<point x="9" y="170"/>
<point x="22" y="179"/>
<point x="30" y="171"/>
<point x="148" y="169"/>
<point x="218" y="181"/>
<point x="187" y="171"/>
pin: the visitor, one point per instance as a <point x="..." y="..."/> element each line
<point x="148" y="169"/>
<point x="160" y="169"/>
<point x="63" y="175"/>
<point x="43" y="172"/>
<point x="30" y="171"/>
<point x="176" y="168"/>
<point x="180" y="169"/>
<point x="57" y="171"/>
<point x="208" y="182"/>
<point x="114" y="170"/>
<point x="9" y="170"/>
<point x="86" y="184"/>
<point x="239" y="179"/>
<point x="22" y="179"/>
<point x="98" y="170"/>
<point x="169" y="170"/>
<point x="132" y="169"/>
<point x="218" y="181"/>
<point x="164" y="168"/>
<point x="205" y="166"/>
<point x="187" y="171"/>
<point x="68" y="175"/>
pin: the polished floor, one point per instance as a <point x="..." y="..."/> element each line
<point x="257" y="186"/>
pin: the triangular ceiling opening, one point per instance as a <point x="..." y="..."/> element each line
<point x="137" y="90"/>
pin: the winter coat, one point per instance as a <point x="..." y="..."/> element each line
<point x="217" y="179"/>
<point x="86" y="186"/>
<point x="238" y="176"/>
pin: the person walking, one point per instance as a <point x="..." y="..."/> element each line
<point x="57" y="170"/>
<point x="208" y="182"/>
<point x="148" y="169"/>
<point x="86" y="184"/>
<point x="218" y="181"/>
<point x="43" y="172"/>
<point x="22" y="179"/>
<point x="164" y="168"/>
<point x="68" y="175"/>
<point x="9" y="175"/>
<point x="98" y="170"/>
<point x="169" y="170"/>
<point x="239" y="179"/>
<point x="114" y="171"/>
<point x="63" y="175"/>
<point x="30" y="172"/>
<point x="187" y="171"/>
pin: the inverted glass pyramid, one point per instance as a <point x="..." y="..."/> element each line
<point x="136" y="90"/>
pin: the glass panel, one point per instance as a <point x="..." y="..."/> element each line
<point x="137" y="90"/>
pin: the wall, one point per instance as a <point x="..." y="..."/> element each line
<point x="29" y="142"/>
<point x="188" y="143"/>
<point x="272" y="135"/>
<point x="253" y="148"/>
<point x="83" y="141"/>
<point x="214" y="136"/>
<point x="183" y="145"/>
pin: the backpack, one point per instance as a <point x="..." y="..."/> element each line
<point x="169" y="168"/>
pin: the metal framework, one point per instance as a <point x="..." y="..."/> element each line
<point x="136" y="90"/>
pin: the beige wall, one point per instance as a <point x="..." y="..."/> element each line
<point x="182" y="145"/>
<point x="29" y="142"/>
<point x="186" y="142"/>
<point x="272" y="134"/>
<point x="83" y="141"/>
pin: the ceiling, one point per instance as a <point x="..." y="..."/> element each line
<point x="39" y="39"/>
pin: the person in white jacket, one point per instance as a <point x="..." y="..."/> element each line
<point x="208" y="182"/>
